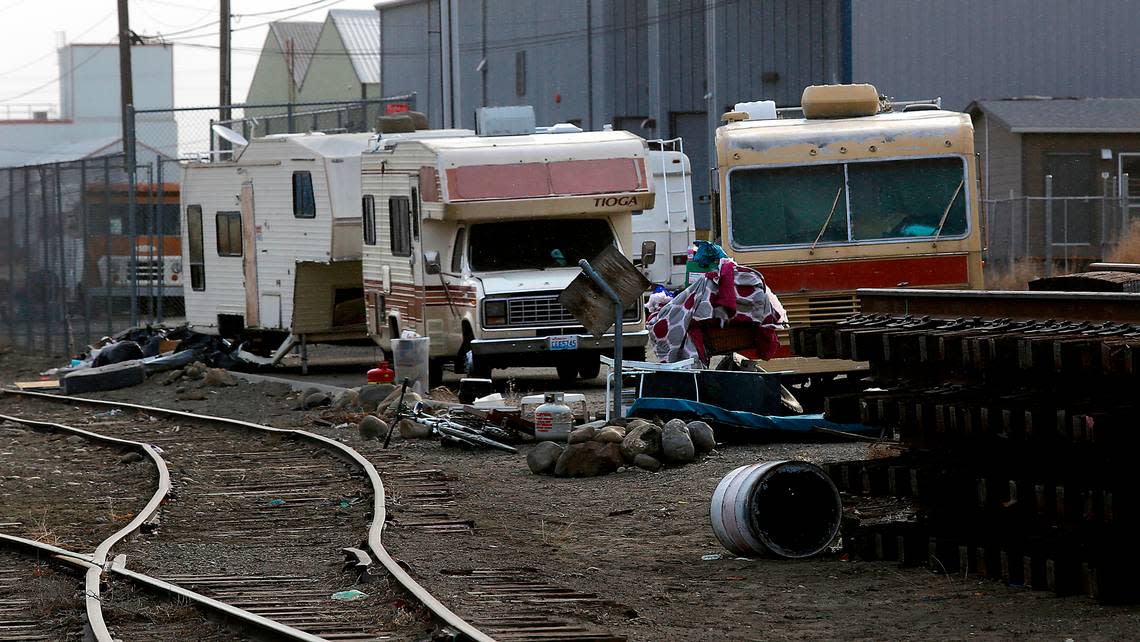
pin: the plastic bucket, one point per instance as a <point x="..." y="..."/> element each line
<point x="410" y="359"/>
<point x="787" y="509"/>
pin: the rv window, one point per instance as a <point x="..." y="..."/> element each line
<point x="558" y="243"/>
<point x="399" y="225"/>
<point x="304" y="204"/>
<point x="229" y="233"/>
<point x="899" y="199"/>
<point x="415" y="214"/>
<point x="197" y="252"/>
<point x="457" y="251"/>
<point x="368" y="207"/>
<point x="788" y="205"/>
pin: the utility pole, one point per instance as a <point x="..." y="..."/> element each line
<point x="224" y="63"/>
<point x="126" y="89"/>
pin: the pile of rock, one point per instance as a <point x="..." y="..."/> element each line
<point x="600" y="449"/>
<point x="193" y="378"/>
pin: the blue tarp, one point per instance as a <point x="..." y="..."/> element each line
<point x="798" y="425"/>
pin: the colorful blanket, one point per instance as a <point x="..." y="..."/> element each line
<point x="731" y="294"/>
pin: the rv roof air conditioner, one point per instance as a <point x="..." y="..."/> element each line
<point x="516" y="120"/>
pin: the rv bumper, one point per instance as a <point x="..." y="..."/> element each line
<point x="536" y="345"/>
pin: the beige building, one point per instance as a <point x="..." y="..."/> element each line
<point x="338" y="59"/>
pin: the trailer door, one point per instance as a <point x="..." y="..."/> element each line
<point x="249" y="261"/>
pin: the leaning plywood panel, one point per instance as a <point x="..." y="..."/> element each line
<point x="328" y="298"/>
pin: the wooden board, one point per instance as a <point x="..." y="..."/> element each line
<point x="590" y="305"/>
<point x="48" y="384"/>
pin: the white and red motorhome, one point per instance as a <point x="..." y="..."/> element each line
<point x="470" y="240"/>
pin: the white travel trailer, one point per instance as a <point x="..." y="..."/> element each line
<point x="469" y="241"/>
<point x="271" y="240"/>
<point x="669" y="224"/>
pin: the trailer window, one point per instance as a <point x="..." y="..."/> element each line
<point x="457" y="251"/>
<point x="548" y="243"/>
<point x="848" y="202"/>
<point x="368" y="215"/>
<point x="304" y="203"/>
<point x="899" y="199"/>
<point x="399" y="225"/>
<point x="197" y="252"/>
<point x="415" y="214"/>
<point x="229" y="233"/>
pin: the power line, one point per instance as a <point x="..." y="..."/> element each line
<point x="33" y="90"/>
<point x="190" y="30"/>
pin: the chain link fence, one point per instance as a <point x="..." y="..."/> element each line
<point x="1030" y="236"/>
<point x="77" y="262"/>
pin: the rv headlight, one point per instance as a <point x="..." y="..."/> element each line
<point x="495" y="312"/>
<point x="176" y="266"/>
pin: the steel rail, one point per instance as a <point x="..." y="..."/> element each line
<point x="1013" y="304"/>
<point x="379" y="513"/>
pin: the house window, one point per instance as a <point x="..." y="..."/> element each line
<point x="229" y="233"/>
<point x="304" y="204"/>
<point x="197" y="252"/>
<point x="368" y="207"/>
<point x="400" y="225"/>
<point x="457" y="251"/>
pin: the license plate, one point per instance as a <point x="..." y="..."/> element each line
<point x="563" y="342"/>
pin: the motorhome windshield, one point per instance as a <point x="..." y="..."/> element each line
<point x="848" y="202"/>
<point x="537" y="244"/>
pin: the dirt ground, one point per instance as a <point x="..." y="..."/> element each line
<point x="638" y="541"/>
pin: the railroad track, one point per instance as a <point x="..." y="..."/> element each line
<point x="257" y="523"/>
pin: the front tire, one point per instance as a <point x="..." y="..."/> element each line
<point x="590" y="367"/>
<point x="474" y="367"/>
<point x="567" y="373"/>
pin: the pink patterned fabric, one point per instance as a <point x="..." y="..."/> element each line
<point x="732" y="293"/>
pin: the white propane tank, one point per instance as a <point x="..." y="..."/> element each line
<point x="553" y="420"/>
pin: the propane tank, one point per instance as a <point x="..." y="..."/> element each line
<point x="553" y="420"/>
<point x="381" y="374"/>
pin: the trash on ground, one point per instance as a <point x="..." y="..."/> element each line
<point x="277" y="502"/>
<point x="349" y="596"/>
<point x="714" y="556"/>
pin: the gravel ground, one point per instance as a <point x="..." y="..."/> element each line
<point x="36" y="599"/>
<point x="636" y="541"/>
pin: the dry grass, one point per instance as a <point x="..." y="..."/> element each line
<point x="43" y="533"/>
<point x="1019" y="279"/>
<point x="1128" y="251"/>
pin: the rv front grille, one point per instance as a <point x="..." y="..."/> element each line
<point x="545" y="310"/>
<point x="537" y="310"/>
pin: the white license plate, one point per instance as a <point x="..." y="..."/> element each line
<point x="563" y="342"/>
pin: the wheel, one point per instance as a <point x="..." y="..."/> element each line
<point x="474" y="367"/>
<point x="590" y="367"/>
<point x="567" y="372"/>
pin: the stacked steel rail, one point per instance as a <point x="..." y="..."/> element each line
<point x="264" y="617"/>
<point x="1016" y="428"/>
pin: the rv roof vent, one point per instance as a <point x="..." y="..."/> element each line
<point x="921" y="107"/>
<point x="839" y="101"/>
<point x="505" y="121"/>
<point x="559" y="128"/>
<point x="758" y="109"/>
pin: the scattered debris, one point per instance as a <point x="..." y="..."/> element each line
<point x="349" y="596"/>
<point x="594" y="450"/>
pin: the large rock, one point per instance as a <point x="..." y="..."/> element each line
<point x="647" y="462"/>
<point x="346" y="399"/>
<point x="218" y="377"/>
<point x="413" y="430"/>
<point x="372" y="427"/>
<point x="610" y="435"/>
<point x="676" y="444"/>
<point x="372" y="394"/>
<point x="542" y="459"/>
<point x="316" y="400"/>
<point x="588" y="459"/>
<point x="643" y="438"/>
<point x="581" y="435"/>
<point x="704" y="439"/>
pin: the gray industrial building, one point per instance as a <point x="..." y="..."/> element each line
<point x="667" y="68"/>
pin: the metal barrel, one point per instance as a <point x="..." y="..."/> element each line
<point x="788" y="509"/>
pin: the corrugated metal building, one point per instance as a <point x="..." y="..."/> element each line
<point x="968" y="50"/>
<point x="592" y="62"/>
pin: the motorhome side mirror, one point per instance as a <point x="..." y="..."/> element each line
<point x="431" y="262"/>
<point x="648" y="252"/>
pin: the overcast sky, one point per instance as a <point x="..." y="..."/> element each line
<point x="31" y="30"/>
